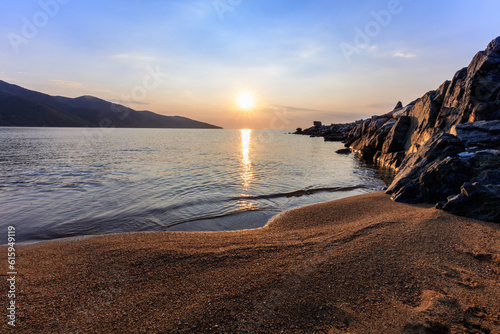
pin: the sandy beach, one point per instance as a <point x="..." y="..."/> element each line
<point x="363" y="264"/>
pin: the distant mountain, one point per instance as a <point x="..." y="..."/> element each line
<point x="23" y="107"/>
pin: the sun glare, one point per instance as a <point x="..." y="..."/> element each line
<point x="245" y="101"/>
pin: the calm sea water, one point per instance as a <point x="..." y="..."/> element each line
<point x="57" y="182"/>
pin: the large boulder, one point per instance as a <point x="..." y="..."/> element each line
<point x="419" y="168"/>
<point x="478" y="200"/>
<point x="474" y="93"/>
<point x="443" y="178"/>
<point x="480" y="197"/>
<point x="464" y="184"/>
<point x="337" y="132"/>
<point x="481" y="134"/>
<point x="398" y="136"/>
<point x="372" y="137"/>
<point x="423" y="118"/>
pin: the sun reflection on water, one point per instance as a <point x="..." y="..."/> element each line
<point x="246" y="164"/>
<point x="246" y="169"/>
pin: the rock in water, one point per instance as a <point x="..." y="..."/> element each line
<point x="343" y="151"/>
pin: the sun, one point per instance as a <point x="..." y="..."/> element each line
<point x="245" y="101"/>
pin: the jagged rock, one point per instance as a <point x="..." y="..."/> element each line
<point x="481" y="134"/>
<point x="399" y="105"/>
<point x="398" y="113"/>
<point x="372" y="140"/>
<point x="474" y="92"/>
<point x="446" y="182"/>
<point x="335" y="137"/>
<point x="491" y="176"/>
<point x="397" y="137"/>
<point x="416" y="164"/>
<point x="479" y="198"/>
<point x="444" y="145"/>
<point x="343" y="151"/>
<point x="409" y="194"/>
<point x="333" y="132"/>
<point x="447" y="141"/>
<point x="481" y="201"/>
<point x="423" y="118"/>
<point x="390" y="160"/>
<point x="379" y="122"/>
<point x="443" y="178"/>
<point x="354" y="134"/>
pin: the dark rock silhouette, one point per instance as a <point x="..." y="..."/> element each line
<point x="333" y="132"/>
<point x="445" y="146"/>
<point x="23" y="107"/>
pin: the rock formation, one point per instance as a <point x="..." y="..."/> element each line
<point x="445" y="146"/>
<point x="333" y="132"/>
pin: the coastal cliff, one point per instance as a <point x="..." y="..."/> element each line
<point x="445" y="146"/>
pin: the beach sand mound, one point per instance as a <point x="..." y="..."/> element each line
<point x="357" y="265"/>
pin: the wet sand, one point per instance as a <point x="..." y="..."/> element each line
<point x="363" y="264"/>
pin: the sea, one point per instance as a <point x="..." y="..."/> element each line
<point x="71" y="182"/>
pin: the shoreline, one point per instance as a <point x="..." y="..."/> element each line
<point x="358" y="264"/>
<point x="214" y="224"/>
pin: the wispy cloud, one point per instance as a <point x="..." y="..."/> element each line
<point x="129" y="102"/>
<point x="65" y="83"/>
<point x="127" y="56"/>
<point x="404" y="55"/>
<point x="368" y="47"/>
<point x="338" y="116"/>
<point x="6" y="77"/>
<point x="107" y="91"/>
<point x="291" y="109"/>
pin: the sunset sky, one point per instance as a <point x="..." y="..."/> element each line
<point x="297" y="61"/>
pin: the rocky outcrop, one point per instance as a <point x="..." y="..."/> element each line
<point x="333" y="132"/>
<point x="382" y="139"/>
<point x="445" y="146"/>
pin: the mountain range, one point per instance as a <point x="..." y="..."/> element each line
<point x="24" y="107"/>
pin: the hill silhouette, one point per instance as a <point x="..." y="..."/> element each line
<point x="24" y="107"/>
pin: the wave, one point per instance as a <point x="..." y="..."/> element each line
<point x="155" y="219"/>
<point x="221" y="215"/>
<point x="296" y="193"/>
<point x="299" y="193"/>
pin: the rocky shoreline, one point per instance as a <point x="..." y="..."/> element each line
<point x="444" y="146"/>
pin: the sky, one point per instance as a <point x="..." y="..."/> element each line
<point x="297" y="61"/>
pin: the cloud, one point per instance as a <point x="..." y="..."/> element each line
<point x="65" y="83"/>
<point x="368" y="47"/>
<point x="127" y="56"/>
<point x="6" y="77"/>
<point x="290" y="109"/>
<point x="129" y="102"/>
<point x="317" y="114"/>
<point x="107" y="91"/>
<point x="404" y="55"/>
